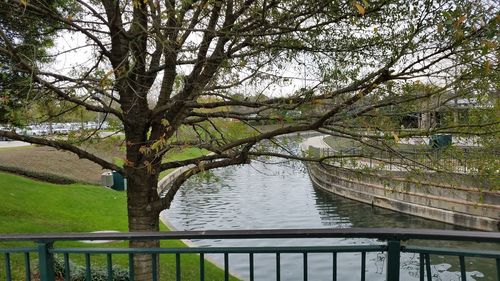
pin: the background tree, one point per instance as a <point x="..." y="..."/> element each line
<point x="32" y="35"/>
<point x="166" y="67"/>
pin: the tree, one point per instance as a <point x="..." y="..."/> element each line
<point x="164" y="67"/>
<point x="33" y="35"/>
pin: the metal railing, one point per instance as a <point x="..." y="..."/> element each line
<point x="459" y="160"/>
<point x="395" y="242"/>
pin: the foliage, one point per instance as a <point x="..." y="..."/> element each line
<point x="162" y="68"/>
<point x="77" y="272"/>
<point x="33" y="36"/>
<point x="211" y="70"/>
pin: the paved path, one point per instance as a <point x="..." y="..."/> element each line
<point x="5" y="144"/>
<point x="316" y="142"/>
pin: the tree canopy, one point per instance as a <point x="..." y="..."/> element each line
<point x="30" y="35"/>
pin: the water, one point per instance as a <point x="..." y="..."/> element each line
<point x="263" y="196"/>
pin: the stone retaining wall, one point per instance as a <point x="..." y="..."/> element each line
<point x="460" y="206"/>
<point x="164" y="183"/>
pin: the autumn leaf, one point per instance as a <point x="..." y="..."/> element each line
<point x="201" y="166"/>
<point x="317" y="101"/>
<point x="149" y="167"/>
<point x="104" y="80"/>
<point x="395" y="136"/>
<point x="136" y="3"/>
<point x="487" y="66"/>
<point x="459" y="21"/>
<point x="440" y="28"/>
<point x="360" y="8"/>
<point x="489" y="44"/>
<point x="144" y="150"/>
<point x="160" y="144"/>
<point x="458" y="35"/>
<point x="24" y="2"/>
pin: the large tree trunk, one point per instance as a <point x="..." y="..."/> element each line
<point x="142" y="173"/>
<point x="142" y="217"/>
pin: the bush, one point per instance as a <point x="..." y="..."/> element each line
<point x="52" y="178"/>
<point x="77" y="272"/>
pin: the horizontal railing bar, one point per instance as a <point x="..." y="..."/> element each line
<point x="380" y="233"/>
<point x="221" y="250"/>
<point x="452" y="252"/>
<point x="18" y="250"/>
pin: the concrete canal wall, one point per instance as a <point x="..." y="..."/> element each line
<point x="467" y="207"/>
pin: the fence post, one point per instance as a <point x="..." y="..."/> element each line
<point x="46" y="261"/>
<point x="393" y="260"/>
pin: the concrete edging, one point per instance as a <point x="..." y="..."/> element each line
<point x="415" y="203"/>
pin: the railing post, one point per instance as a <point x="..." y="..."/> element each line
<point x="45" y="261"/>
<point x="393" y="259"/>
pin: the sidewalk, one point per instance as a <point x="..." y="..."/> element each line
<point x="364" y="163"/>
<point x="6" y="144"/>
<point x="316" y="142"/>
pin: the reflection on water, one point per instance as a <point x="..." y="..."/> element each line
<point x="260" y="196"/>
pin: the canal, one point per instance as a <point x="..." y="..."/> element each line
<point x="280" y="195"/>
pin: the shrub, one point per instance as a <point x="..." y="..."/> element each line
<point x="77" y="272"/>
<point x="52" y="178"/>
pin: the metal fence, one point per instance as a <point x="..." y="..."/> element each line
<point x="44" y="247"/>
<point x="461" y="160"/>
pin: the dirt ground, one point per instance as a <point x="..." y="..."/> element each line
<point x="49" y="160"/>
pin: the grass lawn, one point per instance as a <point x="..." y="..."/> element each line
<point x="174" y="155"/>
<point x="30" y="206"/>
<point x="179" y="155"/>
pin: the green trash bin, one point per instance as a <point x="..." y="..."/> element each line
<point x="119" y="182"/>
<point x="440" y="141"/>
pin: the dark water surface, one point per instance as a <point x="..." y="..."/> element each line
<point x="263" y="196"/>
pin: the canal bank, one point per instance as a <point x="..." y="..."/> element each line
<point x="396" y="190"/>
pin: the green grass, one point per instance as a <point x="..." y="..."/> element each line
<point x="30" y="206"/>
<point x="184" y="154"/>
<point x="173" y="155"/>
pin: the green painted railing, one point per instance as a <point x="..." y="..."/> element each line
<point x="45" y="247"/>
